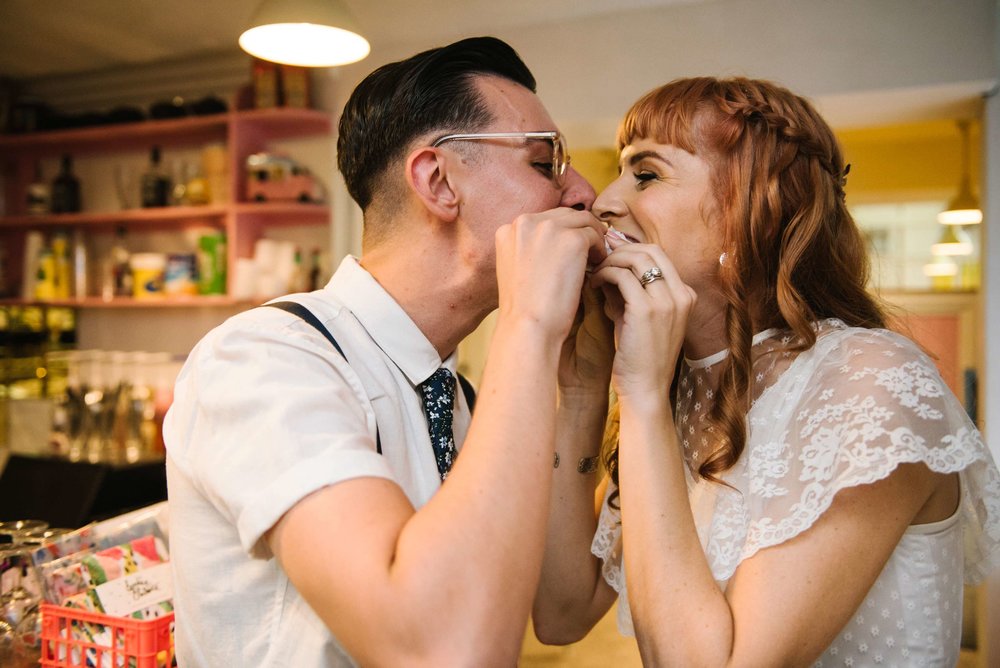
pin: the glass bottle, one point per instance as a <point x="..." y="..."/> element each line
<point x="39" y="197"/>
<point x="314" y="271"/>
<point x="19" y="600"/>
<point x="45" y="279"/>
<point x="197" y="187"/>
<point x="155" y="182"/>
<point x="178" y="183"/>
<point x="63" y="276"/>
<point x="80" y="265"/>
<point x="116" y="275"/>
<point x="66" y="188"/>
<point x="299" y="276"/>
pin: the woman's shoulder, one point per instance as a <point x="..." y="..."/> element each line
<point x="860" y="351"/>
<point x="842" y="359"/>
<point x="877" y="340"/>
<point x="875" y="369"/>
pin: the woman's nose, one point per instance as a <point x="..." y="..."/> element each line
<point x="607" y="207"/>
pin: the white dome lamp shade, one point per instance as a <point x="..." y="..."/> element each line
<point x="941" y="266"/>
<point x="308" y="33"/>
<point x="954" y="241"/>
<point x="963" y="209"/>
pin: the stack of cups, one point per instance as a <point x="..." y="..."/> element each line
<point x="213" y="164"/>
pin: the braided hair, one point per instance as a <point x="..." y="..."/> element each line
<point x="794" y="254"/>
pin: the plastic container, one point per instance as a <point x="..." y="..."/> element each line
<point x="72" y="638"/>
<point x="147" y="274"/>
<point x="212" y="263"/>
<point x="181" y="276"/>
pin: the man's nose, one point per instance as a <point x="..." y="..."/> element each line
<point x="577" y="192"/>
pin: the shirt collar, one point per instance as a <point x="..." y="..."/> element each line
<point x="386" y="322"/>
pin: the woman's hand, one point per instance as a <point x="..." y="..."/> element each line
<point x="650" y="321"/>
<point x="587" y="353"/>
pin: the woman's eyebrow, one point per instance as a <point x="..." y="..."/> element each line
<point x="642" y="155"/>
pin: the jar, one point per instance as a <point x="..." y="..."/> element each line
<point x="147" y="274"/>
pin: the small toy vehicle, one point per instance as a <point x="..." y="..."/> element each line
<point x="276" y="178"/>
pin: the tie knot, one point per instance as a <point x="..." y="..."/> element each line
<point x="439" y="389"/>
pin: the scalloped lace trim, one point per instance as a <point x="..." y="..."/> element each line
<point x="735" y="537"/>
<point x="607" y="545"/>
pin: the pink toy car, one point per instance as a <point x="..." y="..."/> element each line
<point x="275" y="178"/>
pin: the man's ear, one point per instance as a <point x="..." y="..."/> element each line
<point x="428" y="176"/>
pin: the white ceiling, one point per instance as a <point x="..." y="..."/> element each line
<point x="864" y="62"/>
<point x="47" y="37"/>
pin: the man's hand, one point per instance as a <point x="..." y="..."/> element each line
<point x="541" y="263"/>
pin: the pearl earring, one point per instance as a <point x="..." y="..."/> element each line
<point x="722" y="258"/>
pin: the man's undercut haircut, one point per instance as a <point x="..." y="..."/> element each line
<point x="398" y="102"/>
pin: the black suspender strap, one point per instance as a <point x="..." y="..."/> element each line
<point x="298" y="309"/>
<point x="308" y="316"/>
<point x="468" y="391"/>
<point x="301" y="311"/>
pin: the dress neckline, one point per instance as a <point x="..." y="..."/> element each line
<point x="715" y="358"/>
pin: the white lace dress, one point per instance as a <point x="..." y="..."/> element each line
<point x="844" y="413"/>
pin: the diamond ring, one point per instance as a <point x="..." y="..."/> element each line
<point x="650" y="275"/>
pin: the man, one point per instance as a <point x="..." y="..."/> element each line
<point x="309" y="522"/>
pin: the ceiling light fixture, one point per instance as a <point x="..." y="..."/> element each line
<point x="963" y="209"/>
<point x="309" y="33"/>
<point x="941" y="266"/>
<point x="954" y="241"/>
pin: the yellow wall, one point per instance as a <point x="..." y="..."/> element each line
<point x="919" y="161"/>
<point x="597" y="165"/>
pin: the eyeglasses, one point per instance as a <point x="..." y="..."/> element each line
<point x="560" y="155"/>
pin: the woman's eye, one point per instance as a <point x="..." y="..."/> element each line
<point x="642" y="178"/>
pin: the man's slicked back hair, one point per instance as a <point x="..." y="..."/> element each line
<point x="398" y="102"/>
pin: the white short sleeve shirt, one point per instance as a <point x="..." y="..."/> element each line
<point x="266" y="412"/>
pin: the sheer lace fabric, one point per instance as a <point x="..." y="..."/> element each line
<point x="844" y="413"/>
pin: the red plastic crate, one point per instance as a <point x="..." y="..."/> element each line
<point x="68" y="640"/>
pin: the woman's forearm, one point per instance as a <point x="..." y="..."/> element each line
<point x="681" y="616"/>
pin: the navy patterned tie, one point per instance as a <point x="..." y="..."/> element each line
<point x="438" y="393"/>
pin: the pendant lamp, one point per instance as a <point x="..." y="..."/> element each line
<point x="308" y="33"/>
<point x="963" y="209"/>
<point x="941" y="266"/>
<point x="954" y="241"/>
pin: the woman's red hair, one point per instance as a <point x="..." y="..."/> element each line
<point x="794" y="254"/>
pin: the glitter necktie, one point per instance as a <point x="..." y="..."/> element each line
<point x="438" y="393"/>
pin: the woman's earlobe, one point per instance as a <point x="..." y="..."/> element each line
<point x="429" y="178"/>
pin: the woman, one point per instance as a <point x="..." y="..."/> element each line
<point x="802" y="492"/>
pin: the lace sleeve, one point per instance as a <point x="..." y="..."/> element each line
<point x="607" y="542"/>
<point x="846" y="413"/>
<point x="607" y="546"/>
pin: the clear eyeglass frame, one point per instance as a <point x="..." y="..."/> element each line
<point x="560" y="153"/>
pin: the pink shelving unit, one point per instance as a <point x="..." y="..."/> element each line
<point x="244" y="132"/>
